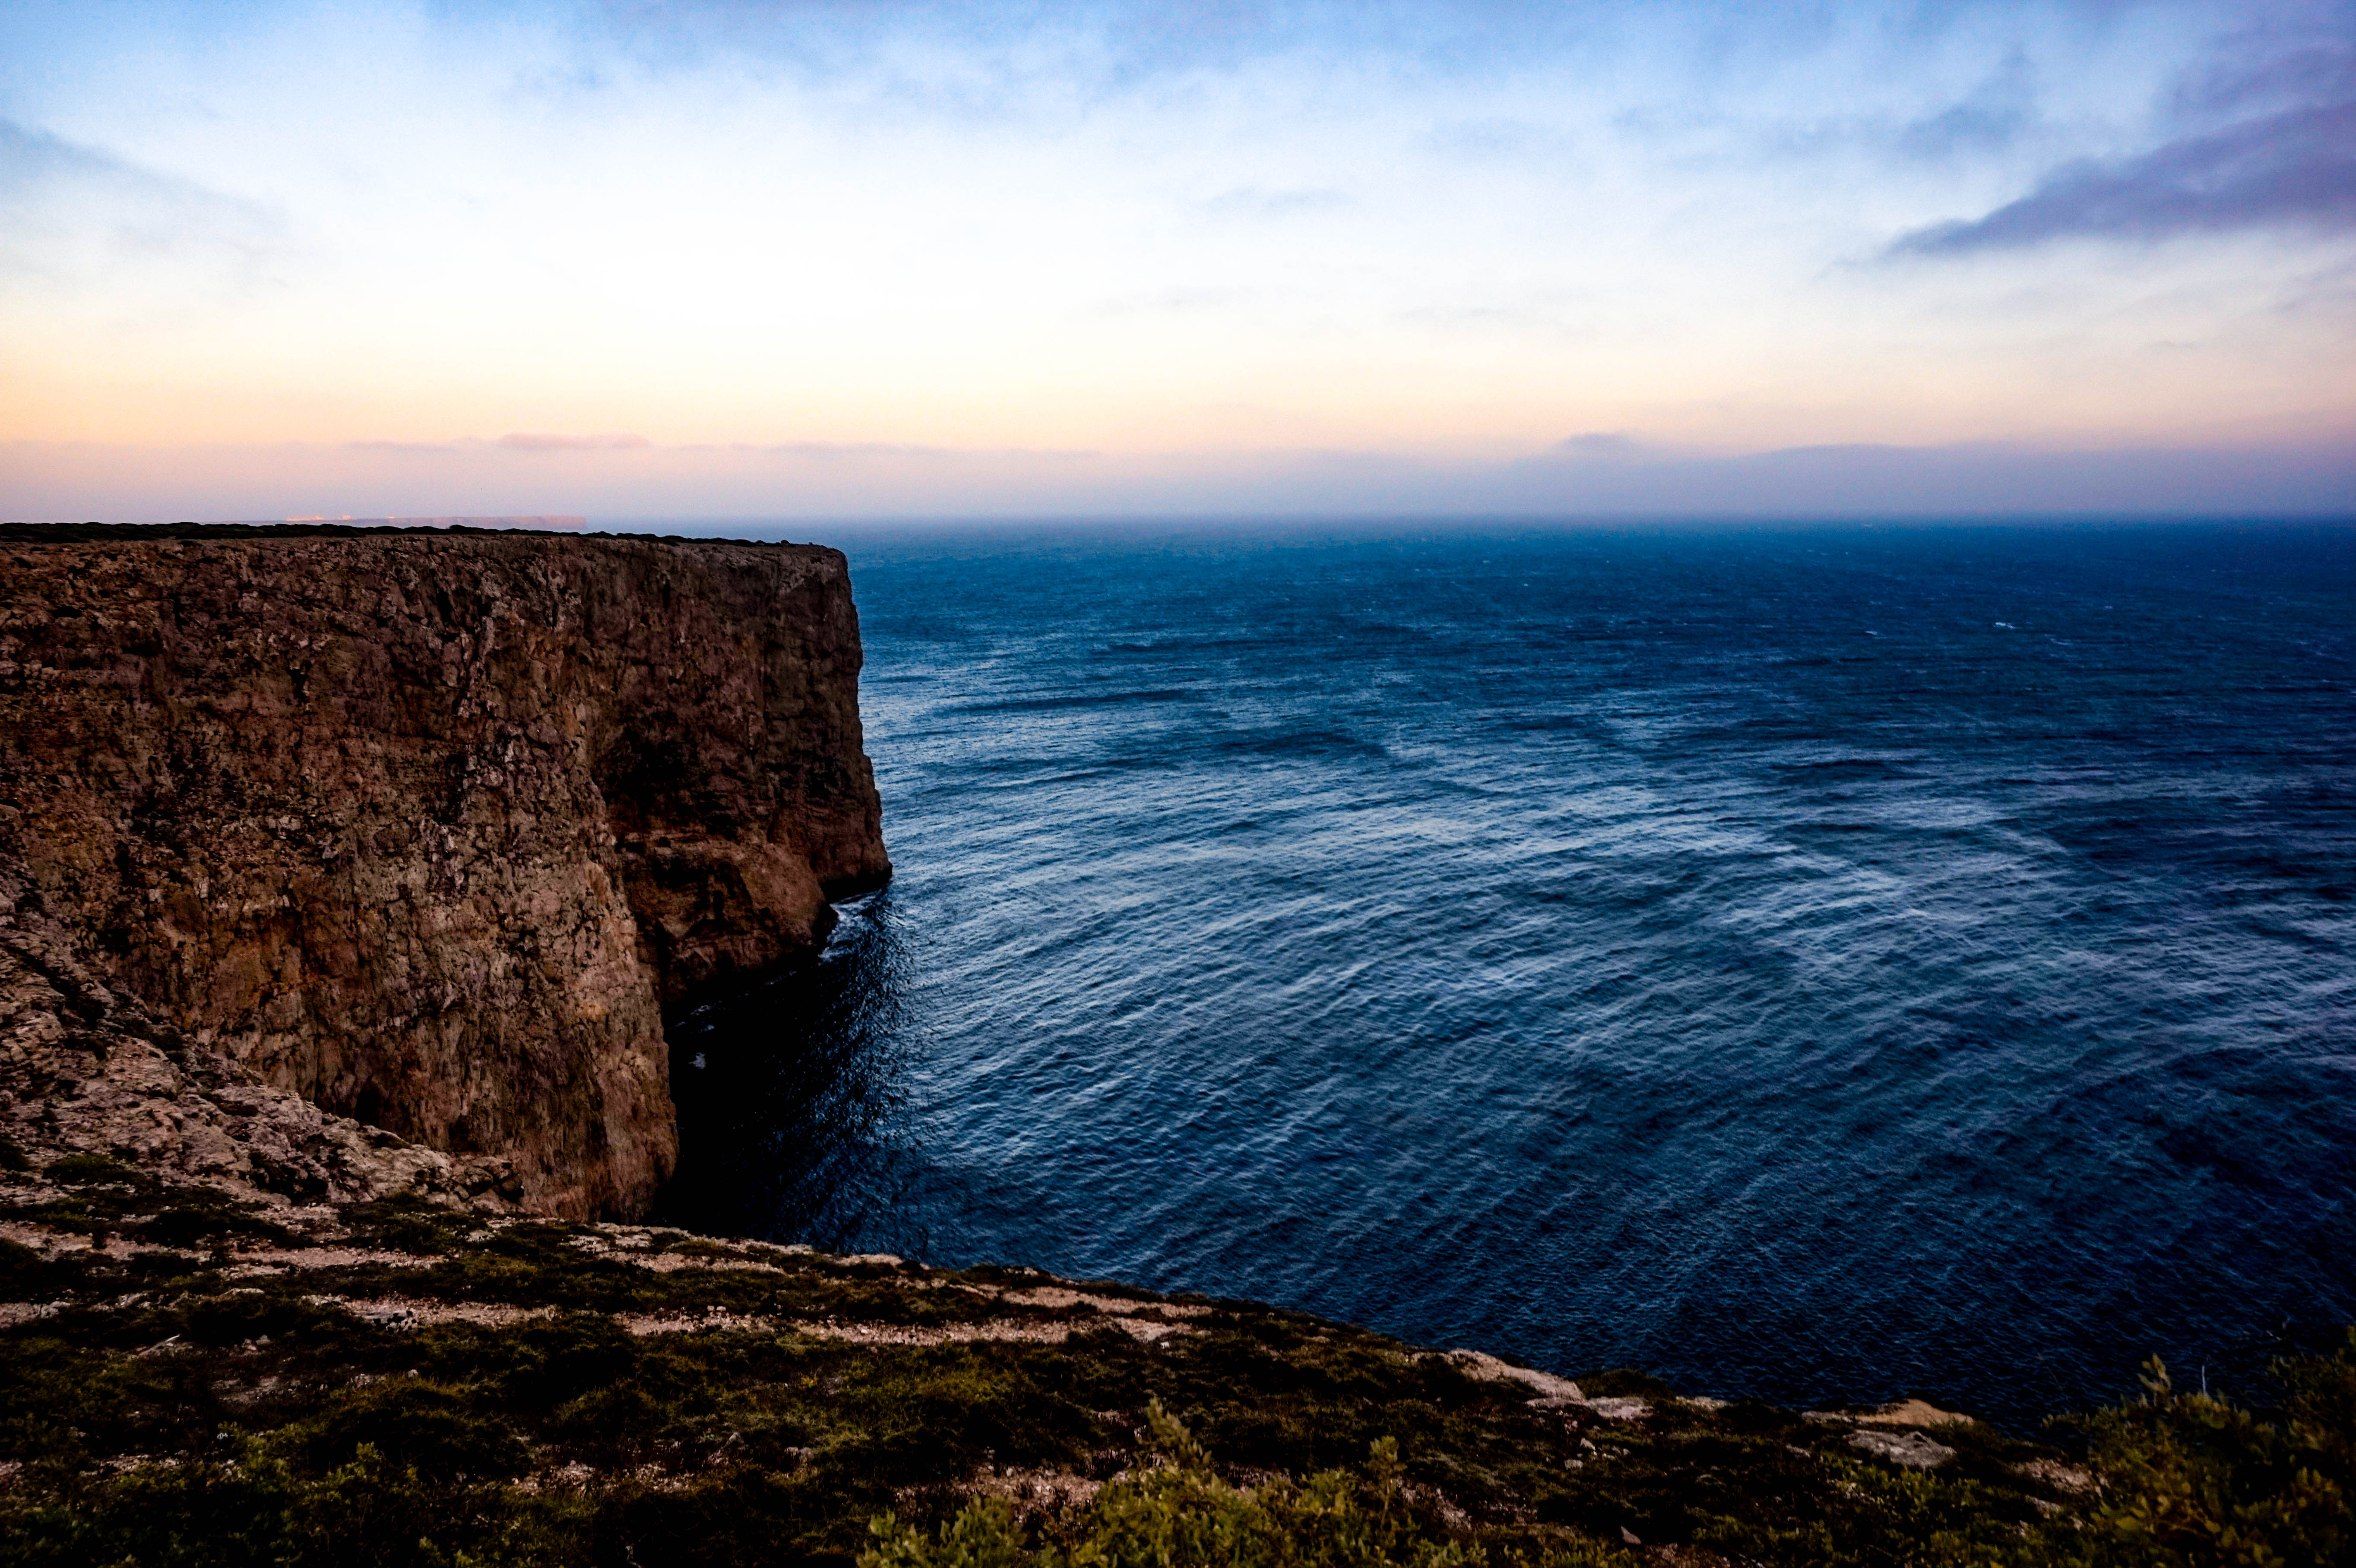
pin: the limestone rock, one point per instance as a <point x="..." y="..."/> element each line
<point x="1485" y="1368"/>
<point x="85" y="1071"/>
<point x="423" y="828"/>
<point x="1910" y="1450"/>
<point x="1912" y="1412"/>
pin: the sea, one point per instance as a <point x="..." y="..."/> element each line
<point x="1821" y="964"/>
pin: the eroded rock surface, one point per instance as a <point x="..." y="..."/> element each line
<point x="86" y="1070"/>
<point x="423" y="828"/>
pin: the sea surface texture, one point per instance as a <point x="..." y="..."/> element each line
<point x="1817" y="963"/>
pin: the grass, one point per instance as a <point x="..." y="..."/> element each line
<point x="221" y="1402"/>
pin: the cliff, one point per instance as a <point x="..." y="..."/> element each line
<point x="425" y="828"/>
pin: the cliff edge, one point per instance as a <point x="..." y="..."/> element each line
<point x="426" y="829"/>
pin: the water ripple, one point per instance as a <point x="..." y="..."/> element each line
<point x="1819" y="964"/>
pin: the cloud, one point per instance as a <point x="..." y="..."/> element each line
<point x="617" y="441"/>
<point x="1187" y="301"/>
<point x="2296" y="168"/>
<point x="2234" y="83"/>
<point x="1123" y="259"/>
<point x="1956" y="480"/>
<point x="843" y="449"/>
<point x="2316" y="478"/>
<point x="34" y="161"/>
<point x="75" y="209"/>
<point x="986" y="51"/>
<point x="1603" y="446"/>
<point x="1989" y="119"/>
<point x="1256" y="203"/>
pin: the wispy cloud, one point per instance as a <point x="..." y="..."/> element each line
<point x="2258" y="72"/>
<point x="2312" y="478"/>
<point x="1988" y="119"/>
<point x="886" y="232"/>
<point x="617" y="441"/>
<point x="74" y="210"/>
<point x="1182" y="301"/>
<point x="2294" y="168"/>
<point x="1603" y="446"/>
<point x="1252" y="202"/>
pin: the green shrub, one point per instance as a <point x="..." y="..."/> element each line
<point x="243" y="1315"/>
<point x="404" y="1224"/>
<point x="61" y="1403"/>
<point x="415" y="1426"/>
<point x="83" y="1170"/>
<point x="196" y="1224"/>
<point x="123" y="1404"/>
<point x="192" y="1515"/>
<point x="1181" y="1512"/>
<point x="552" y="1363"/>
<point x="1879" y="1517"/>
<point x="21" y="1268"/>
<point x="2191" y="1479"/>
<point x="254" y="1510"/>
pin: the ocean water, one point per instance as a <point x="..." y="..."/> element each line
<point x="1816" y="963"/>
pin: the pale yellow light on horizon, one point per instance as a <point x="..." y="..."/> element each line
<point x="1279" y="258"/>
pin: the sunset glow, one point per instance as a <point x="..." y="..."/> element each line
<point x="800" y="260"/>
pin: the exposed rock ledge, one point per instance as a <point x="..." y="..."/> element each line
<point x="318" y="844"/>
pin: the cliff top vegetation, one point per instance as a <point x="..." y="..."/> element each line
<point x="187" y="1377"/>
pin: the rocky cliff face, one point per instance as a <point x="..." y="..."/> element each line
<point x="428" y="828"/>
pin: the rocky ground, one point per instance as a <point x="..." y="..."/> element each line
<point x="189" y="1374"/>
<point x="86" y="1069"/>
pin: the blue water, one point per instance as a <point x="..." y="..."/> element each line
<point x="1817" y="963"/>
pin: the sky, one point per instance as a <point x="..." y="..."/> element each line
<point x="859" y="258"/>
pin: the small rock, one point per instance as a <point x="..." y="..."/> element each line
<point x="1481" y="1365"/>
<point x="1624" y="1409"/>
<point x="1913" y="1413"/>
<point x="1910" y="1449"/>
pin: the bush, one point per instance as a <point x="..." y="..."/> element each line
<point x="367" y="1513"/>
<point x="59" y="1403"/>
<point x="418" y="1427"/>
<point x="241" y="1316"/>
<point x="2190" y="1479"/>
<point x="1181" y="1512"/>
<point x="193" y="1515"/>
<point x="81" y="1170"/>
<point x="21" y="1267"/>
